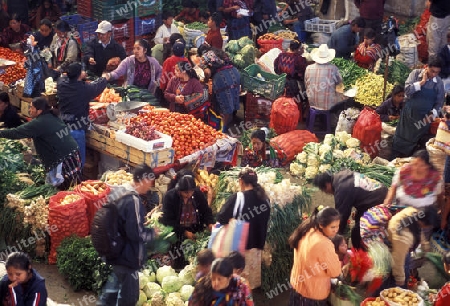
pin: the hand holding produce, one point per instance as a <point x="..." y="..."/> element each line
<point x="69" y="199"/>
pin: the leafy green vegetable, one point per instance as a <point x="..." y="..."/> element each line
<point x="398" y="72"/>
<point x="232" y="47"/>
<point x="349" y="70"/>
<point x="166" y="237"/>
<point x="34" y="191"/>
<point x="192" y="247"/>
<point x="244" y="41"/>
<point x="196" y="26"/>
<point x="408" y="26"/>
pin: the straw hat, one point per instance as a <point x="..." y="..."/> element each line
<point x="323" y="55"/>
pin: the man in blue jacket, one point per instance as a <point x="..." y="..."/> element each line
<point x="122" y="288"/>
<point x="345" y="39"/>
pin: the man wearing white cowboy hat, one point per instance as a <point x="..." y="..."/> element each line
<point x="104" y="53"/>
<point x="322" y="78"/>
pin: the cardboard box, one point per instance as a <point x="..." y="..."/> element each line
<point x="25" y="107"/>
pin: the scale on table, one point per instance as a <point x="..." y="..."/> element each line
<point x="127" y="106"/>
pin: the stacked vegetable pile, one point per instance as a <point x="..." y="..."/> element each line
<point x="189" y="134"/>
<point x="15" y="72"/>
<point x="370" y="89"/>
<point x="160" y="286"/>
<point x="336" y="153"/>
<point x="206" y="181"/>
<point x="142" y="130"/>
<point x="199" y="26"/>
<point x="349" y="71"/>
<point x="398" y="72"/>
<point x="108" y="95"/>
<point x="242" y="52"/>
<point x="117" y="178"/>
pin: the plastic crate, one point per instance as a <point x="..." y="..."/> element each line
<point x="123" y="30"/>
<point x="145" y="25"/>
<point x="267" y="45"/>
<point x="148" y="7"/>
<point x="110" y="12"/>
<point x="319" y="25"/>
<point x="271" y="87"/>
<point x="85" y="26"/>
<point x="165" y="141"/>
<point x="257" y="110"/>
<point x="84" y="8"/>
<point x="127" y="44"/>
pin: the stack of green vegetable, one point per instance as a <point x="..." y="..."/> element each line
<point x="349" y="71"/>
<point x="200" y="26"/>
<point x="161" y="286"/>
<point x="245" y="137"/>
<point x="337" y="153"/>
<point x="166" y="236"/>
<point x="370" y="89"/>
<point x="408" y="26"/>
<point x="192" y="247"/>
<point x="398" y="72"/>
<point x="242" y="52"/>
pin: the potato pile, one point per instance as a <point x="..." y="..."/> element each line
<point x="287" y="34"/>
<point x="95" y="189"/>
<point x="401" y="297"/>
<point x="269" y="36"/>
<point x="377" y="302"/>
<point x="69" y="199"/>
<point x="119" y="178"/>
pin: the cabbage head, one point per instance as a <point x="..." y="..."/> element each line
<point x="232" y="47"/>
<point x="171" y="284"/>
<point x="151" y="288"/>
<point x="142" y="298"/>
<point x="186" y="292"/>
<point x="163" y="272"/>
<point x="187" y="275"/>
<point x="248" y="54"/>
<point x="174" y="299"/>
<point x="157" y="299"/>
<point x="244" y="41"/>
<point x="152" y="277"/>
<point x="238" y="61"/>
<point x="143" y="279"/>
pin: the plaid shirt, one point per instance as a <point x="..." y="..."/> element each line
<point x="321" y="81"/>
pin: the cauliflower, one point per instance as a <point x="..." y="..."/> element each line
<point x="313" y="160"/>
<point x="326" y="157"/>
<point x="338" y="154"/>
<point x="311" y="148"/>
<point x="330" y="140"/>
<point x="174" y="299"/>
<point x="352" y="142"/>
<point x="324" y="148"/>
<point x="324" y="168"/>
<point x="296" y="169"/>
<point x="187" y="275"/>
<point x="352" y="152"/>
<point x="157" y="299"/>
<point x="342" y="137"/>
<point x="171" y="284"/>
<point x="311" y="172"/>
<point x="151" y="288"/>
<point x="163" y="272"/>
<point x="142" y="280"/>
<point x="142" y="298"/>
<point x="301" y="158"/>
<point x="366" y="158"/>
<point x="186" y="292"/>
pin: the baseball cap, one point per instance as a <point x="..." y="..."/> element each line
<point x="104" y="27"/>
<point x="178" y="48"/>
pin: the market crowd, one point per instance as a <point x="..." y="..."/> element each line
<point x="197" y="81"/>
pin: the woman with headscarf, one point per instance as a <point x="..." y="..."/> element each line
<point x="64" y="47"/>
<point x="226" y="82"/>
<point x="260" y="153"/>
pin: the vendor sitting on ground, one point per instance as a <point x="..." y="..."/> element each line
<point x="189" y="13"/>
<point x="8" y="113"/>
<point x="260" y="153"/>
<point x="390" y="109"/>
<point x="368" y="52"/>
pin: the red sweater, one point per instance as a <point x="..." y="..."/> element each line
<point x="443" y="297"/>
<point x="168" y="70"/>
<point x="214" y="39"/>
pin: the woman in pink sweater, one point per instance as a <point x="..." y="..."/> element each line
<point x="315" y="260"/>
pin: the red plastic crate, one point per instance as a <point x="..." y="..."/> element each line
<point x="84" y="8"/>
<point x="123" y="30"/>
<point x="257" y="110"/>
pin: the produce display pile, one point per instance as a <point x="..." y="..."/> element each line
<point x="349" y="71"/>
<point x="336" y="153"/>
<point x="142" y="130"/>
<point x="397" y="72"/>
<point x="242" y="52"/>
<point x="189" y="134"/>
<point x="370" y="89"/>
<point x="200" y="26"/>
<point x="108" y="95"/>
<point x="117" y="178"/>
<point x="13" y="73"/>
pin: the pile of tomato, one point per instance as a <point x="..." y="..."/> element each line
<point x="15" y="72"/>
<point x="189" y="134"/>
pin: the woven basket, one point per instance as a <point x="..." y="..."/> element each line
<point x="437" y="156"/>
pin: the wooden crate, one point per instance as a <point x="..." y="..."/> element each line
<point x="103" y="143"/>
<point x="25" y="106"/>
<point x="19" y="91"/>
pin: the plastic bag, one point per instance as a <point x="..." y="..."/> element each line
<point x="347" y="120"/>
<point x="266" y="61"/>
<point x="66" y="220"/>
<point x="292" y="143"/>
<point x="284" y="115"/>
<point x="368" y="130"/>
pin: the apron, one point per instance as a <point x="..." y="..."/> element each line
<point x="408" y="132"/>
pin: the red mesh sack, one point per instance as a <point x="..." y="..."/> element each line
<point x="67" y="220"/>
<point x="94" y="199"/>
<point x="368" y="130"/>
<point x="292" y="143"/>
<point x="284" y="115"/>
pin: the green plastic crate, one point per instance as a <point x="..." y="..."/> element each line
<point x="272" y="86"/>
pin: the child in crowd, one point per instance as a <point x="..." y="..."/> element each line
<point x="238" y="262"/>
<point x="205" y="259"/>
<point x="341" y="248"/>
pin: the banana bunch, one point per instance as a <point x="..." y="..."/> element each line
<point x="203" y="178"/>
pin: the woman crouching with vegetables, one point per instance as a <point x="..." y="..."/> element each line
<point x="221" y="287"/>
<point x="260" y="153"/>
<point x="186" y="210"/>
<point x="54" y="145"/>
<point x="22" y="285"/>
<point x="311" y="274"/>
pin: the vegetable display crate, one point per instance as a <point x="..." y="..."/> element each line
<point x="84" y="8"/>
<point x="103" y="11"/>
<point x="149" y="7"/>
<point x="319" y="25"/>
<point x="145" y="25"/>
<point x="85" y="26"/>
<point x="163" y="142"/>
<point x="110" y="146"/>
<point x="123" y="29"/>
<point x="270" y="86"/>
<point x="266" y="45"/>
<point x="257" y="110"/>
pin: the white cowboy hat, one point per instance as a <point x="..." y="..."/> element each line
<point x="323" y="55"/>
